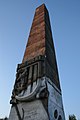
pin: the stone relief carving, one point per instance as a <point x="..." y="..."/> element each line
<point x="28" y="84"/>
<point x="39" y="91"/>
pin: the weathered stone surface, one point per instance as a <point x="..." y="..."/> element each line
<point x="54" y="101"/>
<point x="32" y="111"/>
<point x="36" y="40"/>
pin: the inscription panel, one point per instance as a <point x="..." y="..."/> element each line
<point x="35" y="111"/>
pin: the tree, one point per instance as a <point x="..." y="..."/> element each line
<point x="5" y="118"/>
<point x="72" y="117"/>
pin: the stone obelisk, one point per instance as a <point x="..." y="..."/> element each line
<point x="37" y="94"/>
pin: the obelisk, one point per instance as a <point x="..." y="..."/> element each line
<point x="37" y="93"/>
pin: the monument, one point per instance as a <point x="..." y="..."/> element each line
<point x="37" y="94"/>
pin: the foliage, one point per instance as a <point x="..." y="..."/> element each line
<point x="4" y="118"/>
<point x="72" y="117"/>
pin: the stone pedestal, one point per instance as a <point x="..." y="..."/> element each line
<point x="29" y="111"/>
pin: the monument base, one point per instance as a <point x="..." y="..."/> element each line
<point x="33" y="110"/>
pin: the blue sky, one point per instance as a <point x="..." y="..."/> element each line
<point x="15" y="21"/>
